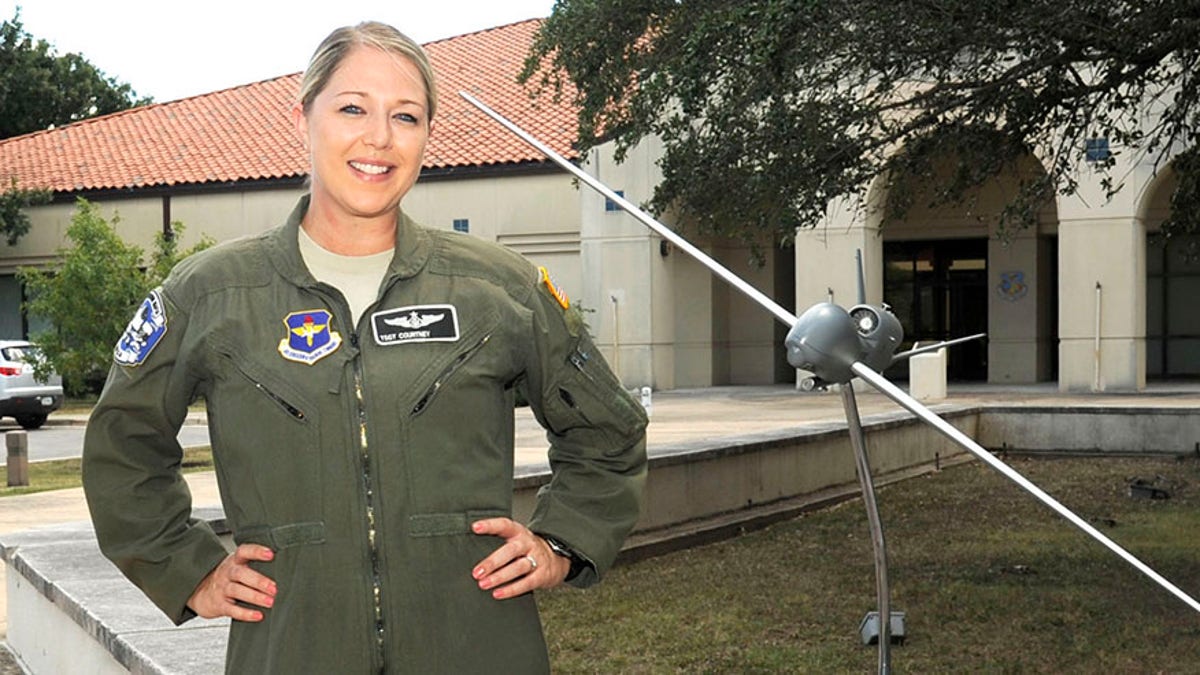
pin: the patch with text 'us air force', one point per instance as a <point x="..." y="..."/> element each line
<point x="145" y="330"/>
<point x="310" y="336"/>
<point x="418" y="323"/>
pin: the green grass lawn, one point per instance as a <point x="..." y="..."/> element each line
<point x="64" y="473"/>
<point x="991" y="580"/>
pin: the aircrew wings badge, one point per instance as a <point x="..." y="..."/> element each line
<point x="554" y="290"/>
<point x="310" y="336"/>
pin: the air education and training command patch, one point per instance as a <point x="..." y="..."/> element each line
<point x="310" y="336"/>
<point x="554" y="290"/>
<point x="145" y="330"/>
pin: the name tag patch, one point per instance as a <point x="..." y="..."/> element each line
<point x="145" y="330"/>
<point x="418" y="323"/>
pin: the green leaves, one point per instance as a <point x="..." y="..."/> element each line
<point x="91" y="295"/>
<point x="40" y="89"/>
<point x="14" y="223"/>
<point x="768" y="109"/>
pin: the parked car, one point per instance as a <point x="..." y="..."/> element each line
<point x="21" y="395"/>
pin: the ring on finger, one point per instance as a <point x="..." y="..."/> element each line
<point x="533" y="563"/>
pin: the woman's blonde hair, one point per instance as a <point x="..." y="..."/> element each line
<point x="334" y="48"/>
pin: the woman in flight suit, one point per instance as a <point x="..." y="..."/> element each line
<point x="360" y="374"/>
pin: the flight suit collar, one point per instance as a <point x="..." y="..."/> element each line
<point x="413" y="248"/>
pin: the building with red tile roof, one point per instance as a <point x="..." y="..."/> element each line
<point x="245" y="135"/>
<point x="229" y="163"/>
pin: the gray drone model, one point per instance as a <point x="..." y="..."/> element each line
<point x="837" y="345"/>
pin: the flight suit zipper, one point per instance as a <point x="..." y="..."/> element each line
<point x="369" y="494"/>
<point x="431" y="392"/>
<point x="292" y="410"/>
<point x="296" y="413"/>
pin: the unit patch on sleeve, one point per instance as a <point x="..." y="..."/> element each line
<point x="554" y="290"/>
<point x="418" y="323"/>
<point x="145" y="330"/>
<point x="310" y="336"/>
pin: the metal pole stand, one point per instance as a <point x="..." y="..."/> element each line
<point x="872" y="629"/>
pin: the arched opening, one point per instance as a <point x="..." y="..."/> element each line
<point x="1172" y="286"/>
<point x="951" y="269"/>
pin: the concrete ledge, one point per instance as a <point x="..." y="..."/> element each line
<point x="1125" y="430"/>
<point x="76" y="613"/>
<point x="72" y="611"/>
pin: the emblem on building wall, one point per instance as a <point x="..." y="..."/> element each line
<point x="1012" y="286"/>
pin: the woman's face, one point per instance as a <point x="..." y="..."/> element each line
<point x="366" y="133"/>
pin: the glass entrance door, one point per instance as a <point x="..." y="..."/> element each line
<point x="938" y="290"/>
<point x="1172" y="322"/>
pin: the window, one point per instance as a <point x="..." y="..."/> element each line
<point x="1097" y="150"/>
<point x="610" y="205"/>
<point x="462" y="225"/>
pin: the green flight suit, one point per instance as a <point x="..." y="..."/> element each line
<point x="361" y="454"/>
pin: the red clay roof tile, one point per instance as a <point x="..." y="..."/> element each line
<point x="245" y="133"/>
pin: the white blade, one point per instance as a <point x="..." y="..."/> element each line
<point x="786" y="317"/>
<point x="912" y="405"/>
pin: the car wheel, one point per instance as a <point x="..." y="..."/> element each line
<point x="31" y="421"/>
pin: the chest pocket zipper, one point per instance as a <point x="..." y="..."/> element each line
<point x="432" y="391"/>
<point x="293" y="411"/>
<point x="290" y="409"/>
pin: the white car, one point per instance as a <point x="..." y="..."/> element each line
<point x="21" y="395"/>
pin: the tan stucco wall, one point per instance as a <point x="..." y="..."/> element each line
<point x="625" y="279"/>
<point x="220" y="216"/>
<point x="236" y="214"/>
<point x="535" y="215"/>
<point x="137" y="221"/>
<point x="673" y="324"/>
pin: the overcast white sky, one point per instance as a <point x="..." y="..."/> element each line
<point x="169" y="50"/>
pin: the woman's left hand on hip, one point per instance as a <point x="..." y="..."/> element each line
<point x="522" y="564"/>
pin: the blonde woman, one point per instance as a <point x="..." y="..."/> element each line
<point x="360" y="373"/>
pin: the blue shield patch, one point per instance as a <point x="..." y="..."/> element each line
<point x="143" y="333"/>
<point x="310" y="336"/>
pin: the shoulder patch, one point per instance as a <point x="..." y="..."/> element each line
<point x="556" y="292"/>
<point x="144" y="332"/>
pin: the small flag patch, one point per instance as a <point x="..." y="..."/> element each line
<point x="560" y="296"/>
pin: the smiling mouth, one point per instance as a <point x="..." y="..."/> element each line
<point x="372" y="169"/>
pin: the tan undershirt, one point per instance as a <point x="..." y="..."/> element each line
<point x="357" y="276"/>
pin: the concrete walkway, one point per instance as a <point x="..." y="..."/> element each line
<point x="676" y="416"/>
